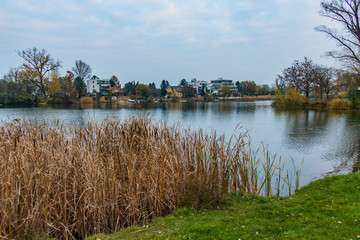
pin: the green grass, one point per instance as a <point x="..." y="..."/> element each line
<point x="325" y="209"/>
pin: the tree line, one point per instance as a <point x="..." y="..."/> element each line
<point x="313" y="80"/>
<point x="316" y="81"/>
<point x="306" y="78"/>
<point x="38" y="80"/>
<point x="134" y="88"/>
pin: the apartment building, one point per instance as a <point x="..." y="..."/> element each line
<point x="96" y="85"/>
<point x="198" y="85"/>
<point x="216" y="85"/>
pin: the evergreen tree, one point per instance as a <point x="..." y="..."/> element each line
<point x="80" y="86"/>
<point x="163" y="87"/>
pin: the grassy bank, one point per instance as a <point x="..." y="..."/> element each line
<point x="71" y="182"/>
<point x="325" y="209"/>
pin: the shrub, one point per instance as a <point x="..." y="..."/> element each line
<point x="59" y="98"/>
<point x="339" y="104"/>
<point x="353" y="98"/>
<point x="292" y="99"/>
<point x="151" y="99"/>
<point x="23" y="99"/>
<point x="2" y="98"/>
<point x="343" y="95"/>
<point x="200" y="99"/>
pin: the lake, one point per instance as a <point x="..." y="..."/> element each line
<point x="328" y="142"/>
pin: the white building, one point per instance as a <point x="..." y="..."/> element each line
<point x="96" y="85"/>
<point x="216" y="85"/>
<point x="198" y="85"/>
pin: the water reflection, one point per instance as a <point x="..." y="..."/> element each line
<point x="304" y="129"/>
<point x="331" y="136"/>
<point x="347" y="153"/>
<point x="219" y="107"/>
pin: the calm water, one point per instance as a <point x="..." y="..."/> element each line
<point x="329" y="142"/>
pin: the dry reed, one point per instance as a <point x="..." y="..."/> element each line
<point x="102" y="100"/>
<point x="123" y="98"/>
<point x="257" y="98"/>
<point x="70" y="182"/>
<point x="85" y="100"/>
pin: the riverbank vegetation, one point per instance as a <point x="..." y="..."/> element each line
<point x="339" y="104"/>
<point x="257" y="98"/>
<point x="308" y="85"/>
<point x="38" y="81"/>
<point x="292" y="99"/>
<point x="70" y="182"/>
<point x="24" y="86"/>
<point x="295" y="100"/>
<point x="325" y="209"/>
<point x="313" y="81"/>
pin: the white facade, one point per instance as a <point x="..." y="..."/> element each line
<point x="198" y="85"/>
<point x="216" y="85"/>
<point x="98" y="85"/>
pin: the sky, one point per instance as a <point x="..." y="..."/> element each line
<point x="152" y="40"/>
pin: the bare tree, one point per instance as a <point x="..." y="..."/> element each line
<point x="38" y="64"/>
<point x="346" y="80"/>
<point x="13" y="75"/>
<point x="12" y="82"/>
<point x="292" y="75"/>
<point x="82" y="70"/>
<point x="300" y="76"/>
<point x="280" y="83"/>
<point x="345" y="12"/>
<point x="307" y="73"/>
<point x="324" y="80"/>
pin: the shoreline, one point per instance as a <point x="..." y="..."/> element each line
<point x="125" y="99"/>
<point x="323" y="209"/>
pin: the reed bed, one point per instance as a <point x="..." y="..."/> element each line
<point x="86" y="100"/>
<point x="70" y="182"/>
<point x="102" y="100"/>
<point x="123" y="98"/>
<point x="258" y="98"/>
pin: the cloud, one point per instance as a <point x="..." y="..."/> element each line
<point x="192" y="22"/>
<point x="175" y="30"/>
<point x="247" y="5"/>
<point x="179" y="21"/>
